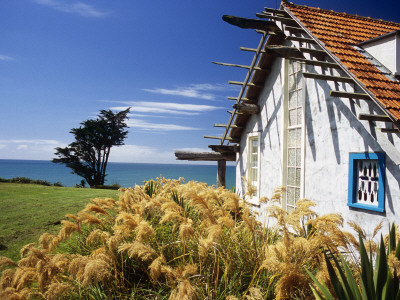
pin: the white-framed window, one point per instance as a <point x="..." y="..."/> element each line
<point x="253" y="166"/>
<point x="293" y="134"/>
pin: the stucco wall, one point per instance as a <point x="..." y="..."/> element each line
<point x="269" y="123"/>
<point x="332" y="131"/>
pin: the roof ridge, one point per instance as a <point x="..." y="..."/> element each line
<point x="291" y="4"/>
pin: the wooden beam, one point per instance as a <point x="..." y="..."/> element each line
<point x="250" y="49"/>
<point x="220" y="138"/>
<point x="225" y="148"/>
<point x="243" y="99"/>
<point x="284" y="51"/>
<point x="251" y="23"/>
<point x="247" y="108"/>
<point x="276" y="18"/>
<point x="203" y="156"/>
<point x="317" y="63"/>
<point x="293" y="29"/>
<point x="328" y="77"/>
<point x="234" y="112"/>
<point x="238" y="66"/>
<point x="224" y="125"/>
<point x="221" y="171"/>
<point x="248" y="84"/>
<point x="341" y="94"/>
<point x="389" y="130"/>
<point x="230" y="65"/>
<point x="376" y="118"/>
<point x="300" y="39"/>
<point x="312" y="51"/>
<point x="275" y="11"/>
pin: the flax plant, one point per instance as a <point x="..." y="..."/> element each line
<point x="173" y="240"/>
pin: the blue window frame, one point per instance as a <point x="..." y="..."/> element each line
<point x="367" y="181"/>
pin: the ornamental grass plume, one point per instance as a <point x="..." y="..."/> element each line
<point x="173" y="240"/>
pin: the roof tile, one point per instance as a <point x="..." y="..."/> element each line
<point x="340" y="32"/>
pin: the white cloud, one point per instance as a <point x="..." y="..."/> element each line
<point x="6" y="58"/>
<point x="192" y="91"/>
<point x="80" y="8"/>
<point x="142" y="154"/>
<point x="29" y="148"/>
<point x="135" y="123"/>
<point x="166" y="108"/>
<point x="146" y="154"/>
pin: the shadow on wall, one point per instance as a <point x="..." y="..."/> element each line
<point x="369" y="138"/>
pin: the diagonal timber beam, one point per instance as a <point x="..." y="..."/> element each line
<point x="251" y="23"/>
<point x="235" y="65"/>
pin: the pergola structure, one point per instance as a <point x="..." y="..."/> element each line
<point x="271" y="45"/>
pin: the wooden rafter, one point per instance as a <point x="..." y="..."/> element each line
<point x="251" y="49"/>
<point x="236" y="65"/>
<point x="246" y="108"/>
<point x="244" y="83"/>
<point x="341" y="94"/>
<point x="328" y="77"/>
<point x="312" y="51"/>
<point x="243" y="99"/>
<point x="204" y="156"/>
<point x="300" y="39"/>
<point x="275" y="11"/>
<point x="224" y="148"/>
<point x="389" y="130"/>
<point x="284" y="20"/>
<point x="225" y="125"/>
<point x="293" y="28"/>
<point x="376" y="118"/>
<point x="251" y="23"/>
<point x="284" y="51"/>
<point x="232" y="140"/>
<point x="317" y="63"/>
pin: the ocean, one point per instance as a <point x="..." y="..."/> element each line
<point x="125" y="174"/>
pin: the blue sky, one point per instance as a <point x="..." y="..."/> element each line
<point x="61" y="61"/>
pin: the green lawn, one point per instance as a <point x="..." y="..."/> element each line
<point x="28" y="210"/>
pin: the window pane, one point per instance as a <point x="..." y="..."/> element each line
<point x="299" y="116"/>
<point x="298" y="157"/>
<point x="292" y="117"/>
<point x="291" y="137"/>
<point x="291" y="180"/>
<point x="292" y="100"/>
<point x="298" y="137"/>
<point x="292" y="157"/>
<point x="297" y="194"/>
<point x="298" y="172"/>
<point x="290" y="196"/>
<point x="292" y="82"/>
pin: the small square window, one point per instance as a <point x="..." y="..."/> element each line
<point x="367" y="181"/>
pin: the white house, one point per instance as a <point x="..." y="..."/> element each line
<point x="319" y="113"/>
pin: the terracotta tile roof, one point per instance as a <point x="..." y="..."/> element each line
<point x="340" y="32"/>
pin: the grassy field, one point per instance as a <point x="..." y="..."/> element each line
<point x="27" y="211"/>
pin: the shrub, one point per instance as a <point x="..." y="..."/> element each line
<point x="4" y="180"/>
<point x="114" y="186"/>
<point x="21" y="180"/>
<point x="40" y="182"/>
<point x="58" y="184"/>
<point x="178" y="241"/>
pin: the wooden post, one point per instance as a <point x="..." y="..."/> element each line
<point x="221" y="173"/>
